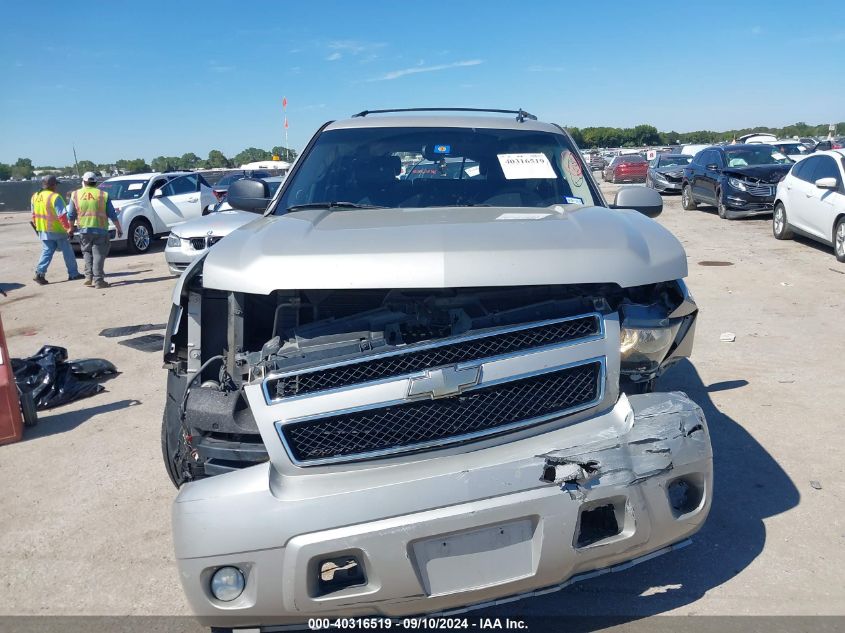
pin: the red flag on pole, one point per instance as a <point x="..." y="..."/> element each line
<point x="284" y="102"/>
<point x="286" y="123"/>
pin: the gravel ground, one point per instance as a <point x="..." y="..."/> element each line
<point x="85" y="514"/>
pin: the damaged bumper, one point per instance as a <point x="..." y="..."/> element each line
<point x="445" y="532"/>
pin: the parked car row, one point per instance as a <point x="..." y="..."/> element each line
<point x="805" y="197"/>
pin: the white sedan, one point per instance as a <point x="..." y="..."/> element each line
<point x="810" y="201"/>
<point x="150" y="205"/>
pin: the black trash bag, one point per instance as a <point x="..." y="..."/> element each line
<point x="49" y="378"/>
<point x="92" y="367"/>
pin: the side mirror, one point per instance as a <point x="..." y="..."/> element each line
<point x="827" y="183"/>
<point x="643" y="199"/>
<point x="712" y="167"/>
<point x="157" y="193"/>
<point x="249" y="194"/>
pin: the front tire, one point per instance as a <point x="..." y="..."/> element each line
<point x="720" y="206"/>
<point x="780" y="225"/>
<point x="140" y="236"/>
<point x="687" y="201"/>
<point x="839" y="240"/>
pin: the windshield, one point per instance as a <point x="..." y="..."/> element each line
<point x="757" y="155"/>
<point x="667" y="161"/>
<point x="225" y="181"/>
<point x="123" y="189"/>
<point x="438" y="167"/>
<point x="792" y="148"/>
<point x="630" y="158"/>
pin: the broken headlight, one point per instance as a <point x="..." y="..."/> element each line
<point x="646" y="336"/>
<point x="643" y="349"/>
<point x="736" y="183"/>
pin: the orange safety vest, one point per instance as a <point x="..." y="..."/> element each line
<point x="44" y="214"/>
<point x="90" y="204"/>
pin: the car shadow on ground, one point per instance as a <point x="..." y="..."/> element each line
<point x="148" y="280"/>
<point x="749" y="487"/>
<point x="52" y="423"/>
<point x="129" y="273"/>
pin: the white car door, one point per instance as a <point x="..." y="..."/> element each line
<point x="799" y="191"/>
<point x="179" y="201"/>
<point x="823" y="205"/>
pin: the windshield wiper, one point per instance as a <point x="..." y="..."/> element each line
<point x="332" y="205"/>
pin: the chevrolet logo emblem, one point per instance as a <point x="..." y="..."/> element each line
<point x="445" y="381"/>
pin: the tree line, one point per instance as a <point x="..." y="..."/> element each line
<point x="646" y="135"/>
<point x="24" y="169"/>
<point x="587" y="137"/>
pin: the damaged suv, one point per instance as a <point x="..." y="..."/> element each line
<point x="393" y="396"/>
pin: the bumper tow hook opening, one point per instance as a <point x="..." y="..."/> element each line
<point x="339" y="573"/>
<point x="597" y="524"/>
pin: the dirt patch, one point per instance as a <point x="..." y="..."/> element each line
<point x="21" y="331"/>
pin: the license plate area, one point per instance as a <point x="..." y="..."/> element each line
<point x="477" y="558"/>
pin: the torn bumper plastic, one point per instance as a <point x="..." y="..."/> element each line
<point x="447" y="532"/>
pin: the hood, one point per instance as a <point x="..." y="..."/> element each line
<point x="670" y="169"/>
<point x="760" y="173"/>
<point x="221" y="224"/>
<point x="444" y="248"/>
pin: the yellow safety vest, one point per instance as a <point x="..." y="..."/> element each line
<point x="90" y="204"/>
<point x="44" y="212"/>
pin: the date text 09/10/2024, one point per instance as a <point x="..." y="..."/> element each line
<point x="421" y="623"/>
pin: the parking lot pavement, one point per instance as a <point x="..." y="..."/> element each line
<point x="85" y="513"/>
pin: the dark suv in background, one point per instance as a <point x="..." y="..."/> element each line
<point x="739" y="180"/>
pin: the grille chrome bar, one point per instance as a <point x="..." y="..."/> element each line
<point x="416" y="358"/>
<point x="484" y="411"/>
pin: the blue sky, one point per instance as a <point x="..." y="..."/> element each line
<point x="142" y="79"/>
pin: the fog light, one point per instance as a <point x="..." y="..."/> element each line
<point x="227" y="583"/>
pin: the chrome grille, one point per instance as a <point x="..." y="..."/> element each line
<point x="418" y="358"/>
<point x="760" y="190"/>
<point x="418" y="425"/>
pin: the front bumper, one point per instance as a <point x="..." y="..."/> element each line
<point x="742" y="206"/>
<point x="445" y="532"/>
<point x="664" y="184"/>
<point x="178" y="258"/>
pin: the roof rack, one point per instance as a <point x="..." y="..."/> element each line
<point x="521" y="115"/>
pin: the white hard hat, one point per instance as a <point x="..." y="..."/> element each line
<point x="89" y="176"/>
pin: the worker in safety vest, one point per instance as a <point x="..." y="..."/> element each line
<point x="50" y="222"/>
<point x="91" y="209"/>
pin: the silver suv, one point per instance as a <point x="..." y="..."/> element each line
<point x="424" y="380"/>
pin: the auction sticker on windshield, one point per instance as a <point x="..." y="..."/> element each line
<point x="134" y="186"/>
<point x="522" y="166"/>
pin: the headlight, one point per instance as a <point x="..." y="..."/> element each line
<point x="643" y="349"/>
<point x="174" y="240"/>
<point x="737" y="184"/>
<point x="227" y="583"/>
